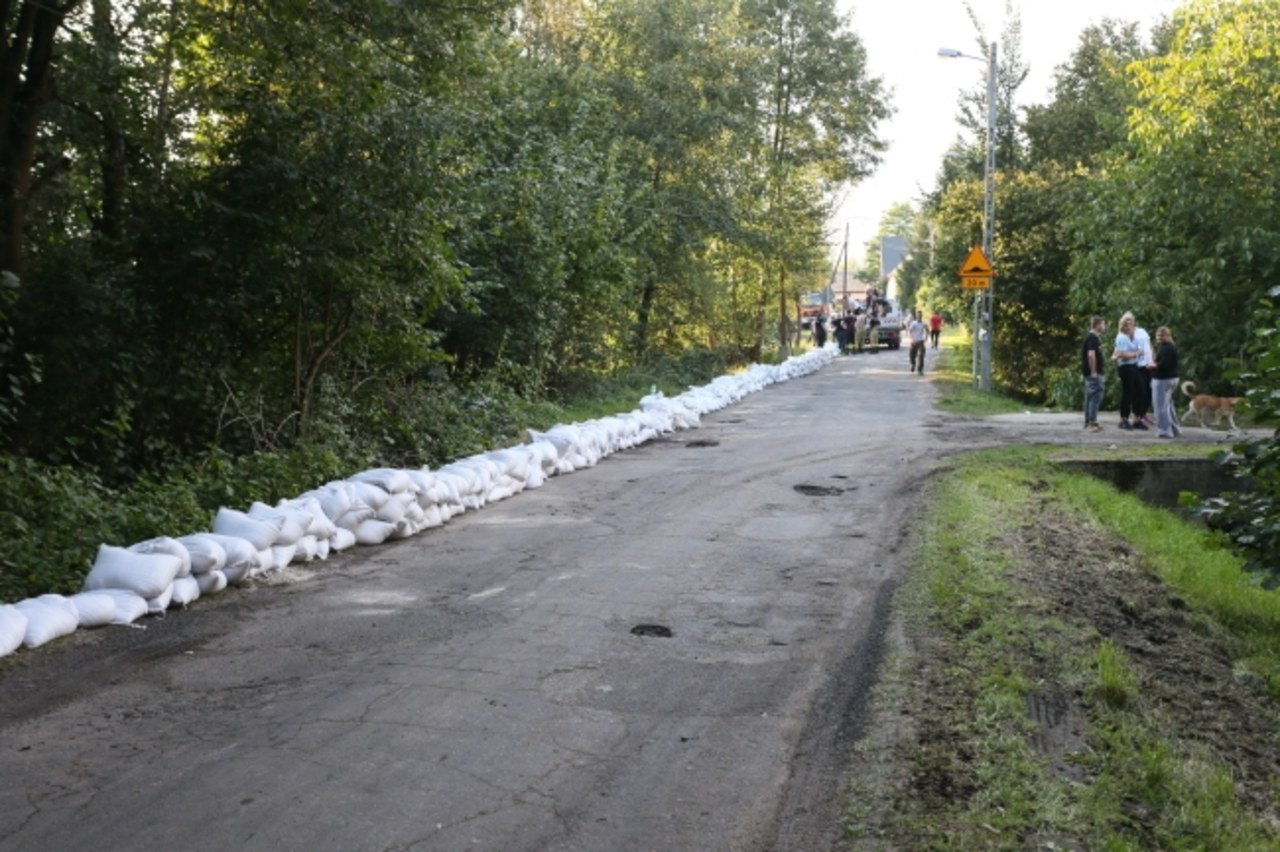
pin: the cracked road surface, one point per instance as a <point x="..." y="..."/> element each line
<point x="483" y="686"/>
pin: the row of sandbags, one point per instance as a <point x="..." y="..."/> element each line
<point x="371" y="507"/>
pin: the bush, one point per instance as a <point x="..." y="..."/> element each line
<point x="53" y="518"/>
<point x="1252" y="518"/>
<point x="1066" y="389"/>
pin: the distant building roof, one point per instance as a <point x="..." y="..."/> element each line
<point x="893" y="250"/>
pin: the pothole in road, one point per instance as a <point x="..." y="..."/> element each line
<point x="660" y="631"/>
<point x="703" y="442"/>
<point x="819" y="490"/>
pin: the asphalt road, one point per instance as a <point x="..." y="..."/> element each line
<point x="483" y="686"/>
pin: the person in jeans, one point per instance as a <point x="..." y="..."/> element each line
<point x="917" y="332"/>
<point x="1127" y="352"/>
<point x="1091" y="368"/>
<point x="1164" y="378"/>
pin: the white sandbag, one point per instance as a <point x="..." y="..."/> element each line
<point x="391" y="480"/>
<point x="373" y="531"/>
<point x="130" y="606"/>
<point x="13" y="629"/>
<point x="241" y="571"/>
<point x="185" y="590"/>
<point x="367" y="493"/>
<point x="207" y="554"/>
<point x="432" y="516"/>
<point x="282" y="555"/>
<point x="147" y="574"/>
<point x="334" y="498"/>
<point x="423" y="481"/>
<point x="260" y="533"/>
<point x="94" y="609"/>
<point x="48" y="617"/>
<point x="211" y="582"/>
<point x="393" y="510"/>
<point x="305" y="549"/>
<point x="514" y="461"/>
<point x="354" y="516"/>
<point x="240" y="552"/>
<point x="265" y="561"/>
<point x="318" y="523"/>
<point x="322" y="547"/>
<point x="404" y="529"/>
<point x="291" y="523"/>
<point x="342" y="539"/>
<point x="164" y="544"/>
<point x="546" y="455"/>
<point x="158" y="604"/>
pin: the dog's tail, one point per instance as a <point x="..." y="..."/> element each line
<point x="1188" y="387"/>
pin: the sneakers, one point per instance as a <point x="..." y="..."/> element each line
<point x="1093" y="427"/>
<point x="1124" y="424"/>
<point x="1146" y="418"/>
<point x="1138" y="424"/>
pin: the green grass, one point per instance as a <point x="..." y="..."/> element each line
<point x="953" y="375"/>
<point x="991" y="644"/>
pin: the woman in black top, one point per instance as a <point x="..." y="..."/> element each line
<point x="1164" y="378"/>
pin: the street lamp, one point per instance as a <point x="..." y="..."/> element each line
<point x="986" y="318"/>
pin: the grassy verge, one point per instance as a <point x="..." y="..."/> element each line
<point x="953" y="375"/>
<point x="1078" y="671"/>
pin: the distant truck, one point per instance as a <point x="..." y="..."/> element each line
<point x="890" y="322"/>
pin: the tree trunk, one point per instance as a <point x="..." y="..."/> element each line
<point x="113" y="156"/>
<point x="784" y="343"/>
<point x="650" y="290"/>
<point x="26" y="86"/>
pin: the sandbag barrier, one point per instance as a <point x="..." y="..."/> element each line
<point x="373" y="506"/>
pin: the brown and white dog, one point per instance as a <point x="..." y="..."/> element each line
<point x="1203" y="404"/>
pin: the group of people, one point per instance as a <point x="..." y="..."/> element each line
<point x="1147" y="374"/>
<point x="856" y="329"/>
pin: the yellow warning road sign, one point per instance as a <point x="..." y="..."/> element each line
<point x="976" y="265"/>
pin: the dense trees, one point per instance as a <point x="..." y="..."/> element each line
<point x="257" y="225"/>
<point x="1148" y="182"/>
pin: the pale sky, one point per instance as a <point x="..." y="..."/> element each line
<point x="902" y="38"/>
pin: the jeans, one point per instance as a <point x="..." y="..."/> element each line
<point x="1162" y="393"/>
<point x="917" y="356"/>
<point x="1092" y="398"/>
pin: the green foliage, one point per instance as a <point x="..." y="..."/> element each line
<point x="1182" y="224"/>
<point x="53" y="518"/>
<point x="262" y="227"/>
<point x="1252" y="517"/>
<point x="17" y="371"/>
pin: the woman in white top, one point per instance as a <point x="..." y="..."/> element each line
<point x="1127" y="353"/>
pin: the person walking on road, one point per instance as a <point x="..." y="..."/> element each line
<point x="1091" y="368"/>
<point x="1164" y="378"/>
<point x="917" y="332"/>
<point x="935" y="328"/>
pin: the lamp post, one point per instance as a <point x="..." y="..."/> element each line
<point x="986" y="317"/>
